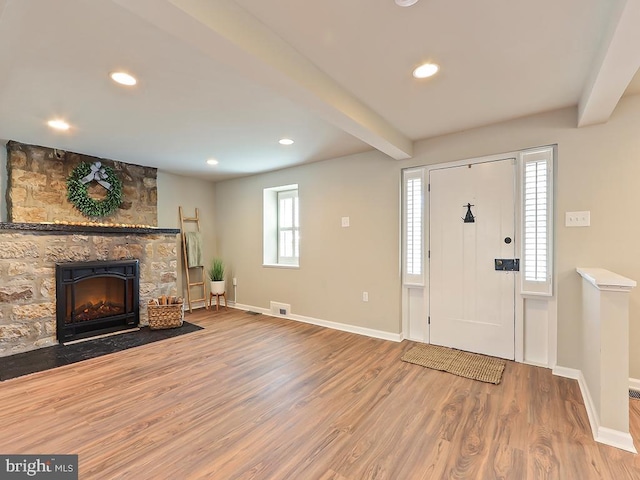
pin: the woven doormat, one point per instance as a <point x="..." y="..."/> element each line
<point x="463" y="364"/>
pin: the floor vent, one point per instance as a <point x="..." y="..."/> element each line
<point x="253" y="313"/>
<point x="634" y="394"/>
<point x="282" y="309"/>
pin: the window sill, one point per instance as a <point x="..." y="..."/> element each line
<point x="280" y="265"/>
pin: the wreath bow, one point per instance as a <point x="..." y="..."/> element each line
<point x="98" y="174"/>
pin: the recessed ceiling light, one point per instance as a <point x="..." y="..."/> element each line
<point x="58" y="124"/>
<point x="406" y="3"/>
<point x="285" y="141"/>
<point x="212" y="161"/>
<point x="426" y="70"/>
<point x="123" y="78"/>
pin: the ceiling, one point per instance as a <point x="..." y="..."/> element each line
<point x="227" y="79"/>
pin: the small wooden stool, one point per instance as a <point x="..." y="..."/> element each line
<point x="218" y="295"/>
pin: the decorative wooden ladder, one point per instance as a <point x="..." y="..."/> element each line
<point x="191" y="284"/>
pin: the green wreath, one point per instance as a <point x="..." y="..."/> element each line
<point x="78" y="195"/>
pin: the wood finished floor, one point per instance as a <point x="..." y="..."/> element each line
<point x="255" y="397"/>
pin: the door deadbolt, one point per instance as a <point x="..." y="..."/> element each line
<point x="507" y="240"/>
<point x="507" y="264"/>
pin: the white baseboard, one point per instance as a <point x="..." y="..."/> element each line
<point x="605" y="435"/>
<point x="576" y="374"/>
<point x="368" y="332"/>
<point x="634" y="384"/>
<point x="566" y="372"/>
<point x="592" y="413"/>
<point x="616" y="438"/>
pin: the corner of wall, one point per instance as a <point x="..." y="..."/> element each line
<point x="3" y="181"/>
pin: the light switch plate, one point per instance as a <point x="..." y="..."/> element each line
<point x="577" y="219"/>
<point x="345" y="221"/>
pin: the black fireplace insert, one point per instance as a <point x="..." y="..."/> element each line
<point x="94" y="298"/>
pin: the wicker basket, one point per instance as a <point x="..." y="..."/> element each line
<point x="165" y="316"/>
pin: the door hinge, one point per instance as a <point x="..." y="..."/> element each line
<point x="428" y="253"/>
<point x="428" y="187"/>
<point x="429" y="320"/>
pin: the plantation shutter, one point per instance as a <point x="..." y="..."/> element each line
<point x="537" y="221"/>
<point x="413" y="182"/>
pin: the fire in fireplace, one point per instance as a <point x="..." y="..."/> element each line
<point x="93" y="298"/>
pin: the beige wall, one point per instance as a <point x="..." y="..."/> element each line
<point x="598" y="169"/>
<point x="336" y="264"/>
<point x="175" y="191"/>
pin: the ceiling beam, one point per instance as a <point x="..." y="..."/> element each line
<point x="617" y="62"/>
<point x="227" y="33"/>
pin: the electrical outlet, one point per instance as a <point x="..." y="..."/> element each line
<point x="577" y="219"/>
<point x="235" y="281"/>
<point x="365" y="296"/>
<point x="345" y="221"/>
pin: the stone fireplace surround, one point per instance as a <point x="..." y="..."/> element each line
<point x="29" y="252"/>
<point x="31" y="243"/>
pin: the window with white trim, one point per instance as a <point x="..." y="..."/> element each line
<point x="413" y="228"/>
<point x="288" y="227"/>
<point x="281" y="226"/>
<point x="537" y="221"/>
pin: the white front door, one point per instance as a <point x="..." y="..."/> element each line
<point x="471" y="305"/>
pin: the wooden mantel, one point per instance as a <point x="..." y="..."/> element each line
<point x="89" y="228"/>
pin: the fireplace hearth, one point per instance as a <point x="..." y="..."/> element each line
<point x="94" y="298"/>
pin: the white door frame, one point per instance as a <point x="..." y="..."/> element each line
<point x="415" y="297"/>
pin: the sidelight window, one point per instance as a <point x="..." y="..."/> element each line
<point x="413" y="231"/>
<point x="537" y="217"/>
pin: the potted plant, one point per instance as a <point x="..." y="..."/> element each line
<point x="216" y="275"/>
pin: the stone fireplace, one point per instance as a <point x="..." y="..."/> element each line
<point x="28" y="257"/>
<point x="44" y="230"/>
<point x="94" y="298"/>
